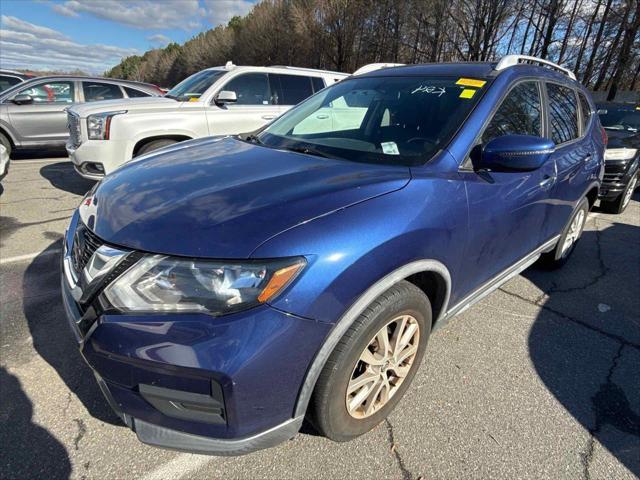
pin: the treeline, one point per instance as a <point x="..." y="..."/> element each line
<point x="598" y="39"/>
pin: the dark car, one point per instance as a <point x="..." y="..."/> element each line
<point x="11" y="78"/>
<point x="622" y="157"/>
<point x="222" y="289"/>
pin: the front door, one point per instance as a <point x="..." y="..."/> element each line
<point x="507" y="211"/>
<point x="254" y="108"/>
<point x="44" y="120"/>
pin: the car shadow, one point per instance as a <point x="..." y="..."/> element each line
<point x="585" y="342"/>
<point x="51" y="334"/>
<point x="63" y="176"/>
<point x="28" y="450"/>
<point x="37" y="153"/>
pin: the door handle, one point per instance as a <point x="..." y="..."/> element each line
<point x="322" y="117"/>
<point x="268" y="117"/>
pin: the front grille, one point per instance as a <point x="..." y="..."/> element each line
<point x="73" y="123"/>
<point x="85" y="243"/>
<point x="613" y="178"/>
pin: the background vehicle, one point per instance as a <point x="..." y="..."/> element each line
<point x="622" y="157"/>
<point x="10" y="78"/>
<point x="302" y="272"/>
<point x="4" y="162"/>
<point x="217" y="101"/>
<point x="32" y="113"/>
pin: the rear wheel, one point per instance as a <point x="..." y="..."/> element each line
<point x="155" y="145"/>
<point x="373" y="364"/>
<point x="568" y="239"/>
<point x="4" y="141"/>
<point x="620" y="204"/>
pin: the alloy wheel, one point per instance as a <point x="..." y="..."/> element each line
<point x="382" y="367"/>
<point x="575" y="229"/>
<point x="629" y="193"/>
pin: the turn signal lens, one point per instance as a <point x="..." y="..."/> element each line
<point x="279" y="280"/>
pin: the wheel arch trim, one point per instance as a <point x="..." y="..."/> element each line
<point x="350" y="316"/>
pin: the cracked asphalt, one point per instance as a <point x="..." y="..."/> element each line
<point x="541" y="379"/>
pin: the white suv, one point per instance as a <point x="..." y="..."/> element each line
<point x="217" y="101"/>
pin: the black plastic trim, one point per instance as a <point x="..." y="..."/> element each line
<point x="187" y="405"/>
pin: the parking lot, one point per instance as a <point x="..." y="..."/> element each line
<point x="538" y="380"/>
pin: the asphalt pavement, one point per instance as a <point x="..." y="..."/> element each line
<point x="541" y="379"/>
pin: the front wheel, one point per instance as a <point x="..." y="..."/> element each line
<point x="373" y="364"/>
<point x="568" y="239"/>
<point x="155" y="145"/>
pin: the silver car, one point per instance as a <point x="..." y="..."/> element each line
<point x="32" y="113"/>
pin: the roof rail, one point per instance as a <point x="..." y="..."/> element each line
<point x="511" y="60"/>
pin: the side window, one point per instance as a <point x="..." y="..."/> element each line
<point x="251" y="89"/>
<point x="7" y="81"/>
<point x="519" y="113"/>
<point x="94" y="91"/>
<point x="563" y="113"/>
<point x="293" y="88"/>
<point x="51" y="92"/>
<point x="586" y="111"/>
<point x="133" y="93"/>
<point x="318" y="84"/>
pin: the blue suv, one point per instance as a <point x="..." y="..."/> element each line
<point x="224" y="289"/>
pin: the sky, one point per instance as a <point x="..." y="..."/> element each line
<point x="94" y="35"/>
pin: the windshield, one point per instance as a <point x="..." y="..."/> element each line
<point x="396" y="120"/>
<point x="195" y="85"/>
<point x="620" y="118"/>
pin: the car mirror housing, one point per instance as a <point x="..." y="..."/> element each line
<point x="515" y="153"/>
<point x="22" y="99"/>
<point x="225" y="97"/>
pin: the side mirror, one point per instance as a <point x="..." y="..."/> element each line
<point x="226" y="96"/>
<point x="22" y="99"/>
<point x="515" y="153"/>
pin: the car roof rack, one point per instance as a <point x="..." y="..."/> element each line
<point x="511" y="60"/>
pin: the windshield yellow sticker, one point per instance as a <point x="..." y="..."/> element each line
<point x="467" y="93"/>
<point x="193" y="99"/>
<point x="471" y="82"/>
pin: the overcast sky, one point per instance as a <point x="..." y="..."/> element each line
<point x="94" y="35"/>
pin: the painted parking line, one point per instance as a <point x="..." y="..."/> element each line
<point x="28" y="256"/>
<point x="180" y="467"/>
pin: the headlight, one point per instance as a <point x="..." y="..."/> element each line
<point x="98" y="125"/>
<point x="620" y="153"/>
<point x="167" y="284"/>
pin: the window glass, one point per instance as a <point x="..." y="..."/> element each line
<point x="518" y="114"/>
<point x="563" y="113"/>
<point x="251" y="89"/>
<point x="95" y="91"/>
<point x="391" y="120"/>
<point x="586" y="111"/>
<point x="195" y="85"/>
<point x="8" y="82"/>
<point x="619" y="117"/>
<point x="51" y="92"/>
<point x="292" y="88"/>
<point x="133" y="93"/>
<point x="318" y="83"/>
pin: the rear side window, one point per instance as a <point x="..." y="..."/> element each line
<point x="586" y="111"/>
<point x="95" y="91"/>
<point x="318" y="84"/>
<point x="133" y="93"/>
<point x="292" y="89"/>
<point x="251" y="89"/>
<point x="519" y="114"/>
<point x="7" y="81"/>
<point x="563" y="113"/>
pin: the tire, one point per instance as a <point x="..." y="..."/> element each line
<point x="403" y="304"/>
<point x="6" y="143"/>
<point x="571" y="233"/>
<point x="155" y="145"/>
<point x="620" y="204"/>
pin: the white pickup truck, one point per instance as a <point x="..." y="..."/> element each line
<point x="216" y="101"/>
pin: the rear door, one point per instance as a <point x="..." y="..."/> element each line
<point x="507" y="210"/>
<point x="292" y="89"/>
<point x="255" y="107"/>
<point x="44" y="120"/>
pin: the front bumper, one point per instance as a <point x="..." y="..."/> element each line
<point x="617" y="174"/>
<point x="227" y="385"/>
<point x="93" y="159"/>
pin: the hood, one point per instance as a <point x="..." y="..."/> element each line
<point x="222" y="198"/>
<point x="143" y="104"/>
<point x="622" y="139"/>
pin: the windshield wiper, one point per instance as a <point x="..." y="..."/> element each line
<point x="307" y="151"/>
